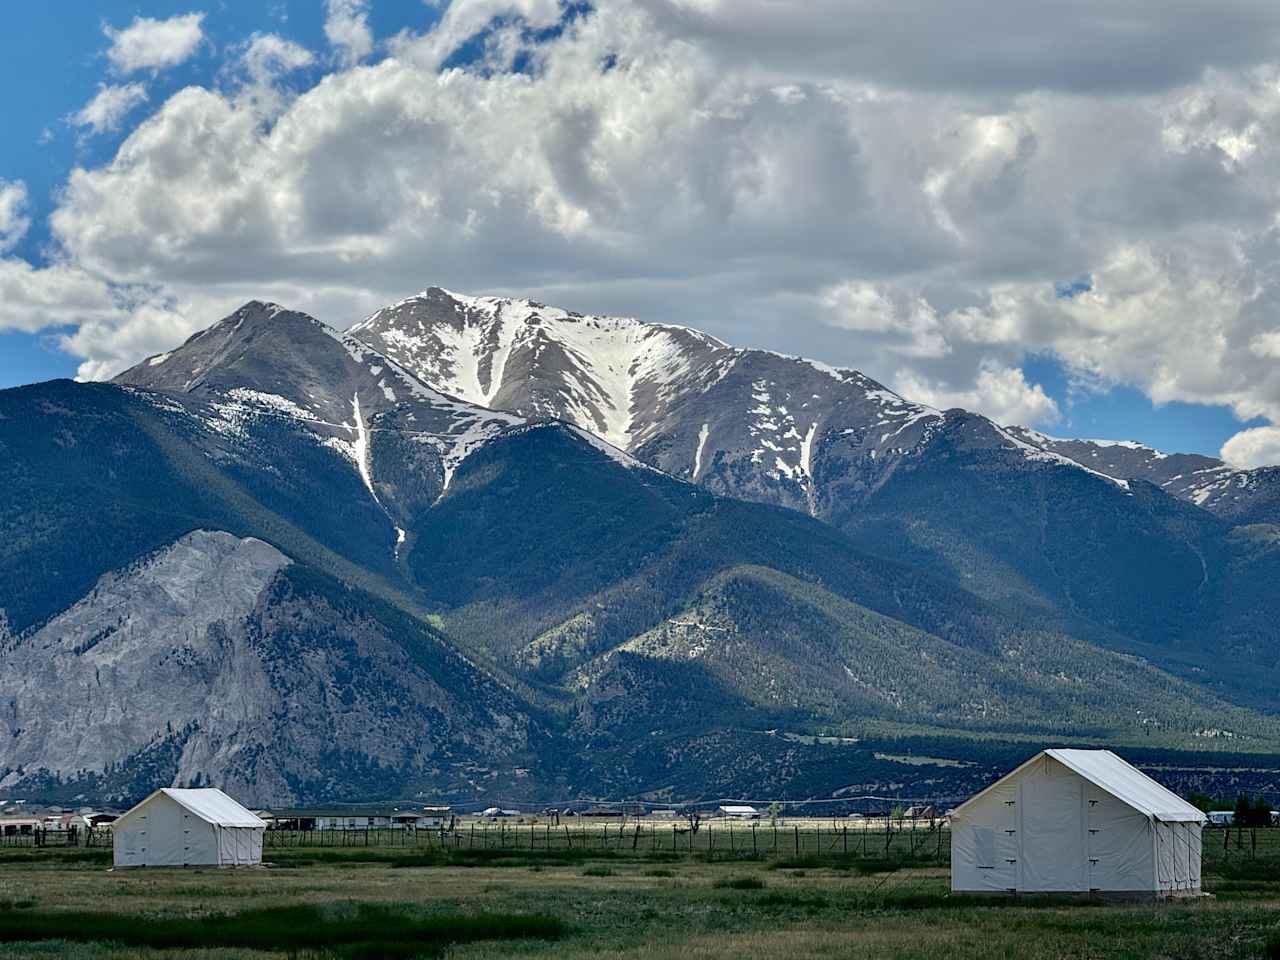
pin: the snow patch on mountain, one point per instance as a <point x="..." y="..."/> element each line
<point x="703" y="433"/>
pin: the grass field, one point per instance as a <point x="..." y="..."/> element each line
<point x="616" y="904"/>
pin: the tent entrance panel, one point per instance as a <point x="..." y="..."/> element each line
<point x="1052" y="834"/>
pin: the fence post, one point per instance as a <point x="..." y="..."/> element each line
<point x="755" y="850"/>
<point x="797" y="840"/>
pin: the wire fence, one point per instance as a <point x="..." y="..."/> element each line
<point x="903" y="839"/>
<point x="42" y="837"/>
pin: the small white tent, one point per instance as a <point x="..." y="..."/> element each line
<point x="187" y="828"/>
<point x="1076" y="821"/>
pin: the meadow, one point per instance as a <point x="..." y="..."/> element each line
<point x="374" y="902"/>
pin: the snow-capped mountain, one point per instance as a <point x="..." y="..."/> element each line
<point x="390" y="586"/>
<point x="744" y="423"/>
<point x="1241" y="496"/>
<point x="265" y="369"/>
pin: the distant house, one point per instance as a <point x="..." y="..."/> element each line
<point x="1221" y="818"/>
<point x="603" y="812"/>
<point x="922" y="812"/>
<point x="498" y="813"/>
<point x="18" y="826"/>
<point x="738" y="812"/>
<point x="362" y="818"/>
<point x="664" y="814"/>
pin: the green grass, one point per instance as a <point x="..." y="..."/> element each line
<point x="616" y="904"/>
<point x="740" y="883"/>
<point x="367" y="931"/>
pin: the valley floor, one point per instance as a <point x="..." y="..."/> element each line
<point x="596" y="905"/>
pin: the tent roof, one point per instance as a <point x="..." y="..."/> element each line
<point x="1128" y="783"/>
<point x="210" y="805"/>
<point x="1120" y="779"/>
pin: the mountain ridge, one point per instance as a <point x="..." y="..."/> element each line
<point x="520" y="590"/>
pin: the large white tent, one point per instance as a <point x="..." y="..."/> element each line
<point x="187" y="828"/>
<point x="1076" y="821"/>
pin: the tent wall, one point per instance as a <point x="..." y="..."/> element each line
<point x="239" y="846"/>
<point x="1176" y="849"/>
<point x="1119" y="844"/>
<point x="164" y="834"/>
<point x="984" y="842"/>
<point x="1052" y="832"/>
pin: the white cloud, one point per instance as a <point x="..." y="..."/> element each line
<point x="346" y="25"/>
<point x="268" y="56"/>
<point x="107" y="110"/>
<point x="54" y="296"/>
<point x="1258" y="447"/>
<point x="14" y="221"/>
<point x="815" y="203"/>
<point x="464" y="19"/>
<point x="150" y="44"/>
<point x="1001" y="393"/>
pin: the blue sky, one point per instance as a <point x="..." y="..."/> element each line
<point x="1138" y="252"/>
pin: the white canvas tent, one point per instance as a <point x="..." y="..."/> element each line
<point x="1076" y="821"/>
<point x="187" y="828"/>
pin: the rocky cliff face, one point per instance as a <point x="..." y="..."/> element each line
<point x="207" y="658"/>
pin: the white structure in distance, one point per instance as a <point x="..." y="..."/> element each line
<point x="1078" y="822"/>
<point x="187" y="828"/>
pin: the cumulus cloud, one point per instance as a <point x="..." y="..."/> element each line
<point x="1258" y="447"/>
<point x="107" y="110"/>
<point x="54" y="296"/>
<point x="268" y="56"/>
<point x="150" y="44"/>
<point x="932" y="229"/>
<point x="346" y="25"/>
<point x="987" y="46"/>
<point x="1001" y="393"/>
<point x="14" y="222"/>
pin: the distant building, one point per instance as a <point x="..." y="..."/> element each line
<point x="613" y="813"/>
<point x="1076" y="821"/>
<point x="187" y="828"/>
<point x="362" y="818"/>
<point x="664" y="814"/>
<point x="19" y="826"/>
<point x="922" y="812"/>
<point x="498" y="813"/>
<point x="1221" y="818"/>
<point x="738" y="812"/>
